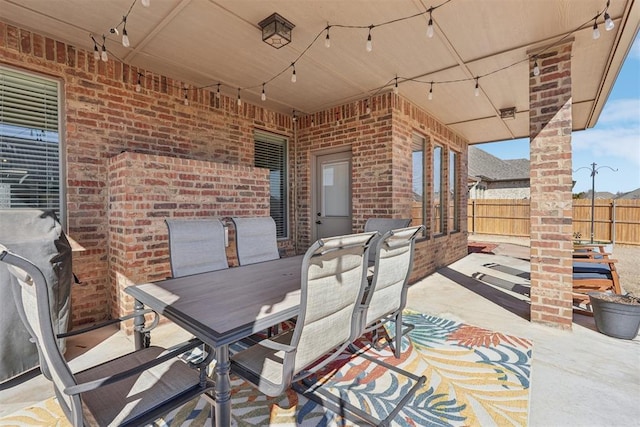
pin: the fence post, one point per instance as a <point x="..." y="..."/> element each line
<point x="613" y="223"/>
<point x="473" y="216"/>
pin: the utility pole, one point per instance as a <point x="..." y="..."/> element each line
<point x="594" y="171"/>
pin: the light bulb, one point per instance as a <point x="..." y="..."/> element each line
<point x="476" y="91"/>
<point x="536" y="69"/>
<point x="218" y="92"/>
<point x="125" y="38"/>
<point x="96" y="52"/>
<point x="103" y="54"/>
<point x="239" y="100"/>
<point x="327" y="40"/>
<point x="430" y="28"/>
<point x="293" y="76"/>
<point x="369" y="44"/>
<point x="146" y="3"/>
<point x="186" y="100"/>
<point x="264" y="95"/>
<point x="138" y="86"/>
<point x="368" y="109"/>
<point x="395" y="87"/>
<point x="596" y="31"/>
<point x="430" y="95"/>
<point x="608" y="22"/>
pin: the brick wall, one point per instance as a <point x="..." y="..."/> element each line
<point x="146" y="189"/>
<point x="380" y="143"/>
<point x="103" y="115"/>
<point x="551" y="184"/>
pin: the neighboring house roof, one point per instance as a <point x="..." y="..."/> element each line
<point x="599" y="195"/>
<point x="635" y="194"/>
<point x="490" y="168"/>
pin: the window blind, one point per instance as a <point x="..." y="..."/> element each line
<point x="29" y="141"/>
<point x="270" y="152"/>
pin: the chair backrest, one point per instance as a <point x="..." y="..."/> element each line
<point x="382" y="225"/>
<point x="256" y="239"/>
<point x="31" y="295"/>
<point x="196" y="246"/>
<point x="332" y="283"/>
<point x="394" y="260"/>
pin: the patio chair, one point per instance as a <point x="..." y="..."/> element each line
<point x="196" y="246"/>
<point x="382" y="225"/>
<point x="131" y="390"/>
<point x="332" y="286"/>
<point x="594" y="274"/>
<point x="256" y="239"/>
<point x="387" y="296"/>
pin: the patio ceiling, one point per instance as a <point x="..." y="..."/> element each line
<point x="205" y="42"/>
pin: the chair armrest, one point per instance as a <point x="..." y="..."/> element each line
<point x="274" y="345"/>
<point x="92" y="385"/>
<point x="598" y="260"/>
<point x="113" y="321"/>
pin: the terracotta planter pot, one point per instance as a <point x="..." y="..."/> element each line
<point x="613" y="317"/>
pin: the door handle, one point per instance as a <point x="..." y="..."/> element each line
<point x="318" y="222"/>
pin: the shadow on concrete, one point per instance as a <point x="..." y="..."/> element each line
<point x="508" y="302"/>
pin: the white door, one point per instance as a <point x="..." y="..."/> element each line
<point x="332" y="207"/>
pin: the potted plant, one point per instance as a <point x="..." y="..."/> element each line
<point x="616" y="315"/>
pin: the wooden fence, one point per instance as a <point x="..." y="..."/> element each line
<point x="616" y="221"/>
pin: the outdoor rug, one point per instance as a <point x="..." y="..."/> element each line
<point x="474" y="377"/>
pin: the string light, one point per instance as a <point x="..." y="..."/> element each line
<point x="103" y="54"/>
<point x="596" y="31"/>
<point x="608" y="23"/>
<point x="125" y="36"/>
<point x="367" y="108"/>
<point x="294" y="117"/>
<point x="264" y="95"/>
<point x="139" y="85"/>
<point x="96" y="52"/>
<point x="536" y="69"/>
<point x="430" y="25"/>
<point x="186" y="97"/>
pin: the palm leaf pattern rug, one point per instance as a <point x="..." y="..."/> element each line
<point x="474" y="377"/>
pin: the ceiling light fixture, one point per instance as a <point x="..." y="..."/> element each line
<point x="276" y="31"/>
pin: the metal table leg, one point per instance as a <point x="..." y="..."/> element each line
<point x="223" y="387"/>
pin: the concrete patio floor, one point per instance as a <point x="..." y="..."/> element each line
<point x="579" y="377"/>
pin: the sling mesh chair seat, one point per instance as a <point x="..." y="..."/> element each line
<point x="332" y="285"/>
<point x="132" y="390"/>
<point x="196" y="246"/>
<point x="382" y="225"/>
<point x="256" y="239"/>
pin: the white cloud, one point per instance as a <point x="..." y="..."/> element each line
<point x="621" y="111"/>
<point x="635" y="49"/>
<point x="621" y="142"/>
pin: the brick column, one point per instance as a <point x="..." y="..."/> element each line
<point x="551" y="185"/>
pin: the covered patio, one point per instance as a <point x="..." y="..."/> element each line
<point x="192" y="115"/>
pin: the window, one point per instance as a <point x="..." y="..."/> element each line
<point x="271" y="153"/>
<point x="438" y="194"/>
<point x="418" y="206"/>
<point x="29" y="142"/>
<point x="454" y="215"/>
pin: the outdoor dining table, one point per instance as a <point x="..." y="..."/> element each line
<point x="222" y="307"/>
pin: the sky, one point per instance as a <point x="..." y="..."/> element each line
<point x="614" y="142"/>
